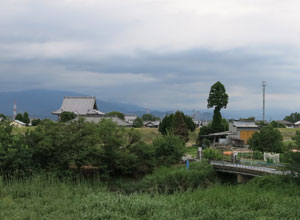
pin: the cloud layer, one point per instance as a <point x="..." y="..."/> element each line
<point x="159" y="54"/>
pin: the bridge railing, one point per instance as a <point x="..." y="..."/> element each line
<point x="249" y="168"/>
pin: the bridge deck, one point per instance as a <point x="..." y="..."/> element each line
<point x="245" y="169"/>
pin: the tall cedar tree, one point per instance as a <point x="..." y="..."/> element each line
<point x="218" y="98"/>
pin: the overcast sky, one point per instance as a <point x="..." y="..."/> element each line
<point x="159" y="54"/>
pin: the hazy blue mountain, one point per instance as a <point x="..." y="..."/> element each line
<point x="40" y="103"/>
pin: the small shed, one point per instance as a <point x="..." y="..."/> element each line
<point x="151" y="124"/>
<point x="242" y="130"/>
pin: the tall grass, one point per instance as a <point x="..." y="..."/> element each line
<point x="43" y="198"/>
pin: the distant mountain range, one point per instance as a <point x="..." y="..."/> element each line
<point x="40" y="104"/>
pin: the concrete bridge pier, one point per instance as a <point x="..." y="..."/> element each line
<point x="242" y="178"/>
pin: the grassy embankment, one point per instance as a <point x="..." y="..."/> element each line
<point x="263" y="198"/>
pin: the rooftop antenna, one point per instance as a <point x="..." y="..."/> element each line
<point x="264" y="84"/>
<point x="15" y="110"/>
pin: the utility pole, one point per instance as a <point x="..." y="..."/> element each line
<point x="264" y="84"/>
<point x="15" y="110"/>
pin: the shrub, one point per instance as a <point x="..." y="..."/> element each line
<point x="168" y="149"/>
<point x="269" y="139"/>
<point x="67" y="116"/>
<point x="212" y="154"/>
<point x="138" y="123"/>
<point x="173" y="179"/>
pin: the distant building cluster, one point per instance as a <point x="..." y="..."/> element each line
<point x="86" y="107"/>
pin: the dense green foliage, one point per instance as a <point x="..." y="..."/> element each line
<point x="138" y="123"/>
<point x="19" y="117"/>
<point x="116" y="114"/>
<point x="26" y="118"/>
<point x="294" y="117"/>
<point x="67" y="116"/>
<point x="296" y="138"/>
<point x="276" y="124"/>
<point x="23" y="118"/>
<point x="180" y="128"/>
<point x="268" y="139"/>
<point x="150" y="117"/>
<point x="47" y="198"/>
<point x="4" y="117"/>
<point x="103" y="149"/>
<point x="212" y="154"/>
<point x="168" y="149"/>
<point x="177" y="124"/>
<point x="36" y="122"/>
<point x="172" y="179"/>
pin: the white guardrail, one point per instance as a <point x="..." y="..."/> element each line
<point x="250" y="168"/>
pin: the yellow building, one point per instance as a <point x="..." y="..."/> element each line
<point x="242" y="130"/>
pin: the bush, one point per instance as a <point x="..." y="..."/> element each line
<point x="212" y="154"/>
<point x="138" y="123"/>
<point x="269" y="139"/>
<point x="174" y="179"/>
<point x="168" y="149"/>
<point x="67" y="116"/>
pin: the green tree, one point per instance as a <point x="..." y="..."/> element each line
<point x="218" y="99"/>
<point x="67" y="116"/>
<point x="296" y="138"/>
<point x="26" y="118"/>
<point x="3" y="116"/>
<point x="138" y="123"/>
<point x="36" y="122"/>
<point x="189" y="122"/>
<point x="116" y="114"/>
<point x="293" y="164"/>
<point x="166" y="125"/>
<point x="268" y="139"/>
<point x="177" y="124"/>
<point x="150" y="117"/>
<point x="19" y="117"/>
<point x="180" y="127"/>
<point x="168" y="149"/>
<point x="294" y="117"/>
<point x="276" y="124"/>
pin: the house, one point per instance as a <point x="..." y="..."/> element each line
<point x="84" y="106"/>
<point x="17" y="124"/>
<point x="297" y="124"/>
<point x="287" y="124"/>
<point x="130" y="118"/>
<point x="151" y="124"/>
<point x="242" y="130"/>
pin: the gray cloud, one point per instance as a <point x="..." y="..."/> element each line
<point x="158" y="54"/>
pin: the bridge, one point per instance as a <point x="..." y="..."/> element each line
<point x="245" y="172"/>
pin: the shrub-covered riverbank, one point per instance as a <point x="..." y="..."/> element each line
<point x="48" y="198"/>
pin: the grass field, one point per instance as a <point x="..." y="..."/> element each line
<point x="288" y="133"/>
<point x="22" y="130"/>
<point x="42" y="199"/>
